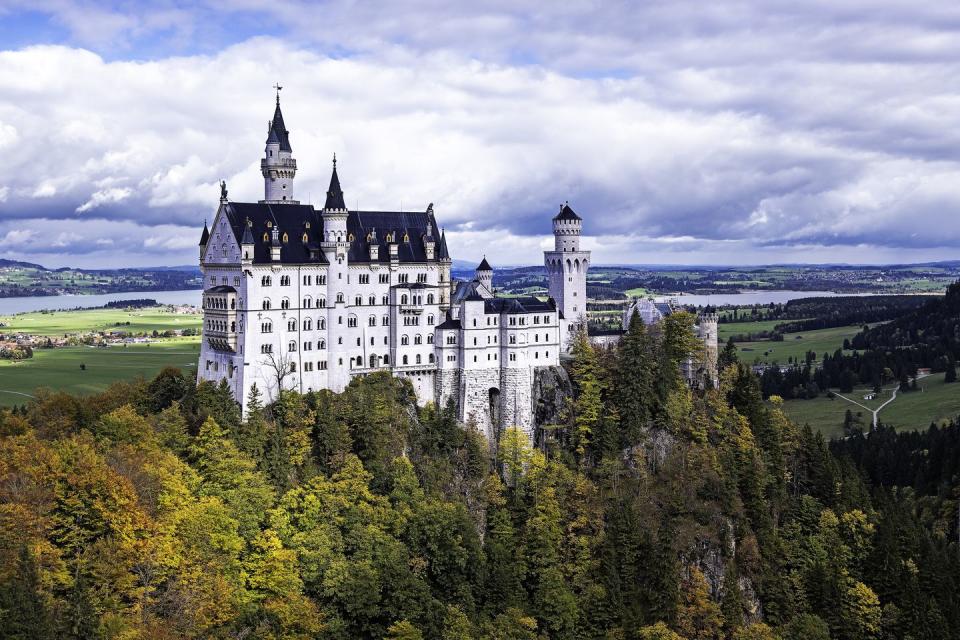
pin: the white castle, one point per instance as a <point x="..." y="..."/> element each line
<point x="308" y="299"/>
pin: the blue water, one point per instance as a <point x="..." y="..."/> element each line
<point x="10" y="306"/>
<point x="751" y="297"/>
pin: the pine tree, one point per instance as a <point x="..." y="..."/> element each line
<point x="634" y="390"/>
<point x="588" y="403"/>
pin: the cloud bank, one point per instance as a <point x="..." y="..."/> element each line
<point x="682" y="133"/>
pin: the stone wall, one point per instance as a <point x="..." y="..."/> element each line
<point x="515" y="399"/>
<point x="448" y="386"/>
<point x="475" y="399"/>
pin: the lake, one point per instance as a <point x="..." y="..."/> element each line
<point x="746" y="298"/>
<point x="192" y="296"/>
<point x="39" y="303"/>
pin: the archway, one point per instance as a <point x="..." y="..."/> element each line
<point x="493" y="399"/>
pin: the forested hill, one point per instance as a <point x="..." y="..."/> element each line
<point x="936" y="326"/>
<point x="651" y="512"/>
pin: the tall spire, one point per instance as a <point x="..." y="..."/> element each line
<point x="334" y="193"/>
<point x="442" y="251"/>
<point x="278" y="133"/>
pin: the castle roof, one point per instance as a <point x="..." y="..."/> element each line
<point x="566" y="213"/>
<point x="334" y="193"/>
<point x="205" y="236"/>
<point x="247" y="235"/>
<point x="523" y="304"/>
<point x="278" y="133"/>
<point x="442" y="252"/>
<point x="484" y="265"/>
<point x="303" y="226"/>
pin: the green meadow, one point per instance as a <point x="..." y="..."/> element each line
<point x="935" y="401"/>
<point x="794" y="345"/>
<point x="60" y="369"/>
<point x="58" y="323"/>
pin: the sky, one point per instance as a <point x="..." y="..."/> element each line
<point x="683" y="132"/>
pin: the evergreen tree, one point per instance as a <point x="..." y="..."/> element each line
<point x="634" y="382"/>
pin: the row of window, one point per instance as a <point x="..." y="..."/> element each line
<point x="219" y="303"/>
<point x="225" y="280"/>
<point x="219" y="325"/>
<point x="358" y="362"/>
<point x="308" y="280"/>
<point x="357" y="301"/>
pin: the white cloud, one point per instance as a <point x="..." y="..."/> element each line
<point x="760" y="125"/>
<point x="15" y="238"/>
<point x="105" y="196"/>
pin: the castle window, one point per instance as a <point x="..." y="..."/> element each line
<point x="307" y="324"/>
<point x="306" y="303"/>
<point x="350" y="238"/>
<point x="474" y="341"/>
<point x="352" y="321"/>
<point x="406" y="237"/>
<point x="404" y="359"/>
<point x="323" y="365"/>
<point x="513" y="339"/>
<point x="385" y="321"/>
<point x="429" y="298"/>
<point x="306" y="225"/>
<point x="474" y="322"/>
<point x="536" y="355"/>
<point x="308" y="346"/>
<point x="372" y="300"/>
<point x="364" y="278"/>
<point x="403" y="299"/>
<point x="421" y="277"/>
<point x="266" y="237"/>
<point x="269" y="224"/>
<point x="417" y="339"/>
<point x="372" y="321"/>
<point x="402" y="278"/>
<point x="546" y="354"/>
<point x="305" y="238"/>
<point x="293" y="367"/>
<point x="385" y="299"/>
<point x="430" y="319"/>
<point x="358" y="301"/>
<point x="266" y="305"/>
<point x="322" y="303"/>
<point x="429" y="338"/>
<point x="285" y="303"/>
<point x="286" y="238"/>
<point x="266" y="327"/>
<point x="291" y="325"/>
<point x="322" y="279"/>
<point x="292" y="345"/>
<point x="513" y="357"/>
<point x="404" y="340"/>
<point x="322" y="344"/>
<point x="340" y="297"/>
<point x="284" y="281"/>
<point x="384" y="278"/>
<point x="266" y="348"/>
<point x="430" y="358"/>
<point x="358" y="344"/>
<point x="418" y="359"/>
<point x="233" y="304"/>
<point x="321" y="323"/>
<point x="265" y="281"/>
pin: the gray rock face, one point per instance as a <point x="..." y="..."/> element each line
<point x="551" y="391"/>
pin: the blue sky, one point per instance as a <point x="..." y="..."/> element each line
<point x="683" y="132"/>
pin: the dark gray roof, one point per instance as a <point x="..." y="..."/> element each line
<point x="407" y="228"/>
<point x="247" y="234"/>
<point x="223" y="288"/>
<point x="205" y="236"/>
<point x="278" y="133"/>
<point x="449" y="323"/>
<point x="442" y="251"/>
<point x="566" y="213"/>
<point x="484" y="265"/>
<point x="523" y="304"/>
<point x="334" y="193"/>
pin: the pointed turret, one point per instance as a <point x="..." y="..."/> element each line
<point x="334" y="193"/>
<point x="246" y="243"/>
<point x="278" y="166"/>
<point x="442" y="252"/>
<point x="204" y="239"/>
<point x="485" y="274"/>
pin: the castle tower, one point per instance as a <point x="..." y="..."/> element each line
<point x="567" y="273"/>
<point x="484" y="274"/>
<point x="278" y="166"/>
<point x="707" y="325"/>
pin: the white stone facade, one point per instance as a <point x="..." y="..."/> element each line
<point x="312" y="298"/>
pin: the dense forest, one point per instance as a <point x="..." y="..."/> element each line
<point x="928" y="337"/>
<point x="652" y="511"/>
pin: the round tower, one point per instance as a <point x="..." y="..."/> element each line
<point x="707" y="323"/>
<point x="567" y="272"/>
<point x="278" y="166"/>
<point x="484" y="274"/>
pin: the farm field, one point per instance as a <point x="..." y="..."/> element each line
<point x="794" y="345"/>
<point x="936" y="402"/>
<point x="727" y="329"/>
<point x="60" y="368"/>
<point x="63" y="322"/>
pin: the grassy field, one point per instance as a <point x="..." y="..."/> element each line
<point x="60" y="368"/>
<point x="936" y="402"/>
<point x="727" y="329"/>
<point x="794" y="345"/>
<point x="64" y="322"/>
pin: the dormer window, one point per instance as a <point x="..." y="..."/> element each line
<point x="286" y="238"/>
<point x="406" y="237"/>
<point x="307" y="225"/>
<point x="350" y="238"/>
<point x="266" y="237"/>
<point x="269" y="225"/>
<point x="305" y="238"/>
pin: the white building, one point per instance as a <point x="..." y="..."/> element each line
<point x="309" y="299"/>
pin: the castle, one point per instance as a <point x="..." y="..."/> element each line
<point x="306" y="299"/>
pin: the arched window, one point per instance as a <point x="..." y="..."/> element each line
<point x="358" y="300"/>
<point x="266" y="304"/>
<point x="265" y="281"/>
<point x="322" y="303"/>
<point x="307" y="324"/>
<point x="322" y="323"/>
<point x="339" y="297"/>
<point x="291" y="325"/>
<point x="266" y="327"/>
<point x="305" y="238"/>
<point x="429" y="298"/>
<point x="430" y="319"/>
<point x="233" y="326"/>
<point x="429" y="338"/>
<point x="430" y="358"/>
<point x="322" y="345"/>
<point x="418" y="339"/>
<point x="404" y="339"/>
<point x="373" y="361"/>
<point x="418" y="358"/>
<point x="286" y="238"/>
<point x="385" y="321"/>
<point x="372" y="321"/>
<point x="405" y="360"/>
<point x="285" y="303"/>
<point x="292" y="345"/>
<point x="372" y="300"/>
<point x="266" y="237"/>
<point x="403" y="299"/>
<point x="233" y="304"/>
<point x="352" y="321"/>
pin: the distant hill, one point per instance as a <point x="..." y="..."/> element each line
<point x="23" y="265"/>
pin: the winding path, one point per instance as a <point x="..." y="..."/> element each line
<point x="893" y="397"/>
